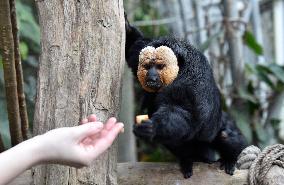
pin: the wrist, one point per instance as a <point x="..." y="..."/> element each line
<point x="35" y="149"/>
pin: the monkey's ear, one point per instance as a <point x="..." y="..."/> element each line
<point x="146" y="53"/>
<point x="167" y="54"/>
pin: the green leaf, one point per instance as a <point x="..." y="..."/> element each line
<point x="279" y="86"/>
<point x="263" y="68"/>
<point x="252" y="43"/>
<point x="275" y="123"/>
<point x="246" y="95"/>
<point x="263" y="74"/>
<point x="24" y="50"/>
<point x="28" y="27"/>
<point x="242" y="121"/>
<point x="278" y="71"/>
<point x="262" y="135"/>
<point x="250" y="68"/>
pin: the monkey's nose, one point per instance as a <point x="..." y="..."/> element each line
<point x="153" y="79"/>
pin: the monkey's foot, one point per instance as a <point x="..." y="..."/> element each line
<point x="186" y="168"/>
<point x="187" y="174"/>
<point x="228" y="166"/>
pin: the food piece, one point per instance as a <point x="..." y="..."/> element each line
<point x="141" y="118"/>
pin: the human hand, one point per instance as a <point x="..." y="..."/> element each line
<point x="80" y="145"/>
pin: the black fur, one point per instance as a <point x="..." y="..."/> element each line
<point x="186" y="116"/>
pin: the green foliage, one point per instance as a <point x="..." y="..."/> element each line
<point x="1" y="63"/>
<point x="29" y="48"/>
<point x="242" y="121"/>
<point x="146" y="12"/>
<point x="154" y="153"/>
<point x="271" y="74"/>
<point x="249" y="116"/>
<point x="24" y="50"/>
<point x="251" y="42"/>
<point x="28" y="26"/>
<point x="246" y="95"/>
<point x="277" y="71"/>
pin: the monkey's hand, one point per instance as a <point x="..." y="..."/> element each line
<point x="145" y="130"/>
<point x="228" y="166"/>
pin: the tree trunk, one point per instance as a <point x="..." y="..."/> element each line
<point x="234" y="38"/>
<point x="82" y="59"/>
<point x="7" y="51"/>
<point x="19" y="72"/>
<point x="126" y="141"/>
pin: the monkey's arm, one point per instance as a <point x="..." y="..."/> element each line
<point x="169" y="124"/>
<point x="135" y="42"/>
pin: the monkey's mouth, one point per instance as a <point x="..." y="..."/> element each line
<point x="153" y="85"/>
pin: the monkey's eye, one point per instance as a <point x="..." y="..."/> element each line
<point x="147" y="66"/>
<point x="160" y="66"/>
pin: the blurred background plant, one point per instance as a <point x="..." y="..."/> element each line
<point x="29" y="33"/>
<point x="242" y="39"/>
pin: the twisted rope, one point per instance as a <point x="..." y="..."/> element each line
<point x="259" y="163"/>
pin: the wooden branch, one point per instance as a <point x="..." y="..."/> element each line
<point x="155" y="22"/>
<point x="19" y="74"/>
<point x="7" y="50"/>
<point x="142" y="173"/>
<point x="168" y="173"/>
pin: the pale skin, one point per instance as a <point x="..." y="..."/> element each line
<point x="76" y="146"/>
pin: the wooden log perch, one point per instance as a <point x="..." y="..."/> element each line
<point x="168" y="174"/>
<point x="142" y="173"/>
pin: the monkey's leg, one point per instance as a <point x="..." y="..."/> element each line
<point x="229" y="143"/>
<point x="199" y="151"/>
<point x="186" y="167"/>
<point x="207" y="155"/>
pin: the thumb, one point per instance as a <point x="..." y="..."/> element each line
<point x="88" y="129"/>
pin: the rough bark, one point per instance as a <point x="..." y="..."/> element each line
<point x="82" y="58"/>
<point x="126" y="141"/>
<point x="7" y="51"/>
<point x="19" y="74"/>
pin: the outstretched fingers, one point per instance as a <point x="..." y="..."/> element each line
<point x="88" y="129"/>
<point x="91" y="118"/>
<point x="110" y="123"/>
<point x="113" y="132"/>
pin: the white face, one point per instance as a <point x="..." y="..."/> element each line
<point x="157" y="63"/>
